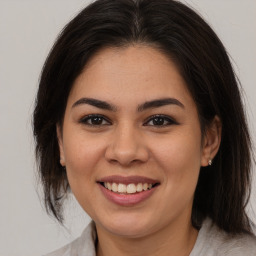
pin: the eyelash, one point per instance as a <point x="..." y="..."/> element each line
<point x="166" y="119"/>
<point x="162" y="118"/>
<point x="85" y="120"/>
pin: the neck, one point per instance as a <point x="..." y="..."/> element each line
<point x="174" y="240"/>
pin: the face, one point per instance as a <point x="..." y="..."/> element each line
<point x="131" y="142"/>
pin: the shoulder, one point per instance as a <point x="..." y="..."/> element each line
<point x="83" y="245"/>
<point x="238" y="245"/>
<point x="212" y="241"/>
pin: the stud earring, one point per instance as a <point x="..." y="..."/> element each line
<point x="210" y="162"/>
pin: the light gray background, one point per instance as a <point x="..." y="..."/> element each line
<point x="27" y="30"/>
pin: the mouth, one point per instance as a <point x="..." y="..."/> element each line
<point x="131" y="188"/>
<point x="127" y="191"/>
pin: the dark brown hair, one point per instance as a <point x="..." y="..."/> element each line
<point x="180" y="33"/>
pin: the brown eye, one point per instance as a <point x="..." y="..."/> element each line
<point x="95" y="120"/>
<point x="160" y="120"/>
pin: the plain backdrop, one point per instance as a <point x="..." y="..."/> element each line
<point x="28" y="29"/>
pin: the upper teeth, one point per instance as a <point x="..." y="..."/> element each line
<point x="130" y="188"/>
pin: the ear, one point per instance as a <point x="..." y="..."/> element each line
<point x="211" y="141"/>
<point x="60" y="142"/>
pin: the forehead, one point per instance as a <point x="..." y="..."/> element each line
<point x="135" y="72"/>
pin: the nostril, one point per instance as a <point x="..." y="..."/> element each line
<point x="126" y="149"/>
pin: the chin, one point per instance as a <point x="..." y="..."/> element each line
<point x="128" y="226"/>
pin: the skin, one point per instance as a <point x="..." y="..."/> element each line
<point x="128" y="142"/>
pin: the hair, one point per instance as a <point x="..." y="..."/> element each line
<point x="177" y="31"/>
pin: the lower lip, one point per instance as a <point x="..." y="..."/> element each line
<point x="126" y="199"/>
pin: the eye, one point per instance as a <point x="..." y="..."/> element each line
<point x="95" y="120"/>
<point x="159" y="120"/>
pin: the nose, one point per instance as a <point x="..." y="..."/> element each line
<point x="127" y="146"/>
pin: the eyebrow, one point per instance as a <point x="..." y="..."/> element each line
<point x="147" y="105"/>
<point x="159" y="103"/>
<point x="96" y="103"/>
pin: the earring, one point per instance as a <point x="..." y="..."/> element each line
<point x="210" y="162"/>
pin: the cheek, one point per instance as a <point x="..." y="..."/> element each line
<point x="180" y="156"/>
<point x="82" y="155"/>
<point x="180" y="148"/>
<point x="180" y="163"/>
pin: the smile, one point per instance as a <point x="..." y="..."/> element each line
<point x="128" y="189"/>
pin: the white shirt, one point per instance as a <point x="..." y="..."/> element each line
<point x="211" y="241"/>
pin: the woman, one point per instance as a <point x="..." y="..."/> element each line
<point x="139" y="113"/>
